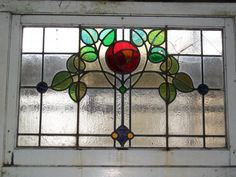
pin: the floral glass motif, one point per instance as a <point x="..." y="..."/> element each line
<point x="124" y="65"/>
<point x="122" y="57"/>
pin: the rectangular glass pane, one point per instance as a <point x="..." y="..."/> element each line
<point x="31" y="69"/>
<point x="149" y="142"/>
<point x="184" y="42"/>
<point x="127" y="109"/>
<point x="212" y="42"/>
<point x="213" y="72"/>
<point x="91" y="141"/>
<point x="28" y="140"/>
<point x="214" y="142"/>
<point x="185" y="142"/>
<point x="97" y="112"/>
<point x="59" y="113"/>
<point x="58" y="141"/>
<point x="32" y="40"/>
<point x="148" y="112"/>
<point x="214" y="113"/>
<point x="52" y="65"/>
<point x="192" y="66"/>
<point x="29" y="112"/>
<point x="185" y="114"/>
<point x="62" y="40"/>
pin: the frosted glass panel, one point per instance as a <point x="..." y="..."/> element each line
<point x="28" y="140"/>
<point x="215" y="142"/>
<point x="192" y="66"/>
<point x="52" y="65"/>
<point x="214" y="113"/>
<point x="29" y="111"/>
<point x="58" y="141"/>
<point x="32" y="40"/>
<point x="148" y="112"/>
<point x="31" y="70"/>
<point x="126" y="108"/>
<point x="184" y="42"/>
<point x="97" y="80"/>
<point x="61" y="40"/>
<point x="185" y="142"/>
<point x="148" y="80"/>
<point x="97" y="112"/>
<point x="59" y="113"/>
<point x="96" y="141"/>
<point x="185" y="114"/>
<point x="212" y="42"/>
<point x="213" y="72"/>
<point x="149" y="142"/>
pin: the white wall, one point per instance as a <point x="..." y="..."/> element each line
<point x="10" y="7"/>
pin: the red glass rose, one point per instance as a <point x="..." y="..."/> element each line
<point x="122" y="57"/>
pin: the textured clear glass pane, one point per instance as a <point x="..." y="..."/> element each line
<point x="148" y="112"/>
<point x="214" y="113"/>
<point x="61" y="39"/>
<point x="95" y="79"/>
<point x="148" y="142"/>
<point x="52" y="65"/>
<point x="212" y="42"/>
<point x="185" y="142"/>
<point x="215" y="142"/>
<point x="191" y="66"/>
<point x="184" y="42"/>
<point x="95" y="141"/>
<point x="58" y="141"/>
<point x="98" y="63"/>
<point x="185" y="114"/>
<point x="32" y="39"/>
<point x="148" y="80"/>
<point x="213" y="72"/>
<point x="119" y="34"/>
<point x="127" y="109"/>
<point x="97" y="112"/>
<point x="127" y="34"/>
<point x="59" y="114"/>
<point x="142" y="62"/>
<point x="94" y="65"/>
<point x="29" y="111"/>
<point x="118" y="109"/>
<point x="31" y="70"/>
<point x="28" y="140"/>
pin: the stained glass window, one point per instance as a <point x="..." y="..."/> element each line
<point x="121" y="88"/>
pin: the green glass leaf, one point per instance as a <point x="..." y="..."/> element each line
<point x="157" y="55"/>
<point x="88" y="54"/>
<point x="156" y="37"/>
<point x="139" y="37"/>
<point x="61" y="81"/>
<point x="77" y="91"/>
<point x="167" y="92"/>
<point x="183" y="82"/>
<point x="89" y="36"/>
<point x="171" y="65"/>
<point x="107" y="36"/>
<point x="74" y="64"/>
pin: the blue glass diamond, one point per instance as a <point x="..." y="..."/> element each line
<point x="123" y="134"/>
